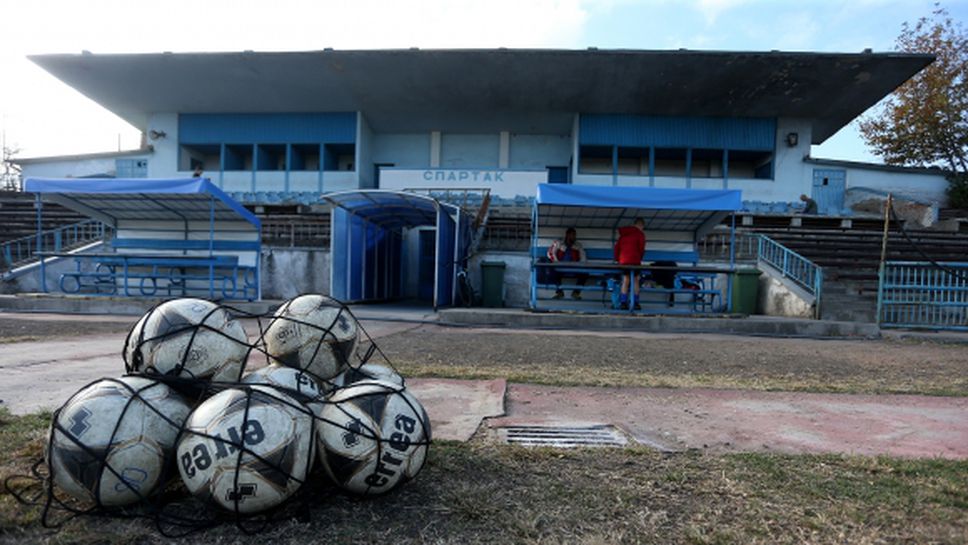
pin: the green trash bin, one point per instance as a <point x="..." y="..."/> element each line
<point x="492" y="283"/>
<point x="746" y="287"/>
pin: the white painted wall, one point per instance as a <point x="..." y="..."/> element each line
<point x="192" y="230"/>
<point x="539" y="151"/>
<point x="74" y="168"/>
<point x="288" y="272"/>
<point x="164" y="161"/>
<point x="470" y="151"/>
<point x="503" y="183"/>
<point x="922" y="187"/>
<point x="409" y="150"/>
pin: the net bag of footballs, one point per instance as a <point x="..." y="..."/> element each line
<point x="111" y="443"/>
<point x="187" y="338"/>
<point x="373" y="436"/>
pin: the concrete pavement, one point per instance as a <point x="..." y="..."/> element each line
<point x="41" y="375"/>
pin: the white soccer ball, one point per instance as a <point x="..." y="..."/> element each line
<point x="367" y="371"/>
<point x="108" y="448"/>
<point x="190" y="338"/>
<point x="249" y="466"/>
<point x="313" y="333"/>
<point x="372" y="437"/>
<point x="299" y="384"/>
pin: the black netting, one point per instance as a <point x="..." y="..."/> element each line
<point x="223" y="428"/>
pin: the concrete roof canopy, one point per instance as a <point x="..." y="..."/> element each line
<point x="489" y="90"/>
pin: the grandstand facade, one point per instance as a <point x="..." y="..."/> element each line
<point x="274" y="128"/>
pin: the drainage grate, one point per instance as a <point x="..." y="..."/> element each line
<point x="564" y="437"/>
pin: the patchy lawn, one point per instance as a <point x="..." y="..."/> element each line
<point x="25" y="330"/>
<point x="756" y="363"/>
<point x="486" y="493"/>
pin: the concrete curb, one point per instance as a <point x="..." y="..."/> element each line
<point x="937" y="337"/>
<point x="753" y="325"/>
<point x="124" y="306"/>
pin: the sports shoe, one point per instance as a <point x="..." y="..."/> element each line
<point x="624" y="305"/>
<point x="576" y="295"/>
<point x="636" y="306"/>
<point x="559" y="295"/>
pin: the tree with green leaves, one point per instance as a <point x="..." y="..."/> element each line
<point x="925" y="121"/>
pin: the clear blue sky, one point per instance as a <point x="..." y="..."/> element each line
<point x="45" y="117"/>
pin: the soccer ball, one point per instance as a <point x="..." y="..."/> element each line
<point x="298" y="384"/>
<point x="190" y="338"/>
<point x="111" y="449"/>
<point x="368" y="371"/>
<point x="372" y="437"/>
<point x="313" y="333"/>
<point x="294" y="382"/>
<point x="249" y="466"/>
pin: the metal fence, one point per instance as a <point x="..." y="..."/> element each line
<point x="296" y="233"/>
<point x="20" y="251"/>
<point x="715" y="247"/>
<point x="761" y="249"/>
<point x="801" y="271"/>
<point x="923" y="295"/>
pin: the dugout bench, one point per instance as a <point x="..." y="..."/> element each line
<point x="704" y="298"/>
<point x="172" y="238"/>
<point x="152" y="268"/>
<point x="675" y="221"/>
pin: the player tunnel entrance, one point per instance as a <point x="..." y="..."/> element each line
<point x="393" y="245"/>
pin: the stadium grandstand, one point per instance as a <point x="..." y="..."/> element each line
<point x="278" y="132"/>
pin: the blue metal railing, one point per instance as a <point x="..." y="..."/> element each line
<point x="20" y="251"/>
<point x="801" y="271"/>
<point x="762" y="250"/>
<point x="924" y="295"/>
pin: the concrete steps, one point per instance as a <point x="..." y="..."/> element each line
<point x="18" y="215"/>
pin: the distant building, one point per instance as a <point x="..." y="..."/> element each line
<point x="116" y="164"/>
<point x="287" y="127"/>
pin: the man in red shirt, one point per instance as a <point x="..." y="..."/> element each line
<point x="629" y="251"/>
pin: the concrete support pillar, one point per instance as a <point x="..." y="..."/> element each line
<point x="504" y="153"/>
<point x="435" y="149"/>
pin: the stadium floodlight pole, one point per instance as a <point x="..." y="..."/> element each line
<point x="881" y="268"/>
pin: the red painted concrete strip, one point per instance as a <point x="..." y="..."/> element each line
<point x="457" y="407"/>
<point x="749" y="421"/>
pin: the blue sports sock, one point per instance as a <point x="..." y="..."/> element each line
<point x="624" y="298"/>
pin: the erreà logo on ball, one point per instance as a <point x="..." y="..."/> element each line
<point x="201" y="458"/>
<point x="388" y="465"/>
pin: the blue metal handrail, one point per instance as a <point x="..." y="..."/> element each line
<point x="801" y="271"/>
<point x="20" y="251"/>
<point x="922" y="294"/>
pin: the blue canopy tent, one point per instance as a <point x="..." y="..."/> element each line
<point x="171" y="237"/>
<point x="675" y="220"/>
<point x="369" y="244"/>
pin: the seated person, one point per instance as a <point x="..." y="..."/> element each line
<point x="810" y="205"/>
<point x="563" y="251"/>
<point x="629" y="250"/>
